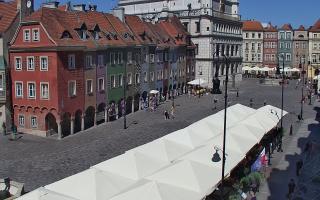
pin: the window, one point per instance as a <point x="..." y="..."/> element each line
<point x="247" y="57"/>
<point x="288" y="35"/>
<point x="247" y="46"/>
<point x="253" y="35"/>
<point x="151" y="76"/>
<point x="281" y="45"/>
<point x="197" y="27"/>
<point x="72" y="88"/>
<point x="35" y="35"/>
<point x="208" y="28"/>
<point x="19" y="89"/>
<point x="161" y="75"/>
<point x="315" y="46"/>
<point x="18" y="63"/>
<point x="31" y="90"/>
<point x="89" y="86"/>
<point x="43" y="63"/>
<point x="297" y="45"/>
<point x="158" y="75"/>
<point x="129" y="57"/>
<point x="253" y="46"/>
<point x="120" y="78"/>
<point x="30" y="63"/>
<point x="112" y="58"/>
<point x="34" y="122"/>
<point x="166" y="56"/>
<point x="129" y="77"/>
<point x="88" y="61"/>
<point x="71" y="61"/>
<point x="21" y="120"/>
<point x="281" y="35"/>
<point x="303" y="45"/>
<point x="120" y="60"/>
<point x="137" y="79"/>
<point x="259" y="46"/>
<point x="101" y="84"/>
<point x="247" y="35"/>
<point x="1" y="82"/>
<point x="259" y="57"/>
<point x="100" y="60"/>
<point x="96" y="35"/>
<point x="314" y="58"/>
<point x="44" y="90"/>
<point x="288" y="57"/>
<point x="112" y="81"/>
<point x="152" y="58"/>
<point x="145" y="75"/>
<point x="83" y="34"/>
<point x="259" y="35"/>
<point x="197" y="49"/>
<point x="26" y="35"/>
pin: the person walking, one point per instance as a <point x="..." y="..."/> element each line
<point x="299" y="165"/>
<point x="172" y="112"/>
<point x="251" y="102"/>
<point x="291" y="187"/>
<point x="166" y="115"/>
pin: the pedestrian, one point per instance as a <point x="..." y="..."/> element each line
<point x="291" y="187"/>
<point x="215" y="101"/>
<point x="251" y="102"/>
<point x="299" y="165"/>
<point x="237" y="92"/>
<point x="264" y="102"/>
<point x="172" y="112"/>
<point x="166" y="115"/>
<point x="4" y="128"/>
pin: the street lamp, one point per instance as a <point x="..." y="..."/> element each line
<point x="215" y="158"/>
<point x="301" y="65"/>
<point x="200" y="74"/>
<point x="125" y="96"/>
<point x="282" y="90"/>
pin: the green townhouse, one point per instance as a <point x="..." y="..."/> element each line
<point x="285" y="50"/>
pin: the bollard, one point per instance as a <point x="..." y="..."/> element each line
<point x="290" y="133"/>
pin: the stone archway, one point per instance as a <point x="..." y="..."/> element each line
<point x="101" y="113"/>
<point x="77" y="121"/>
<point x="51" y="124"/>
<point x="66" y="124"/>
<point x="89" y="117"/>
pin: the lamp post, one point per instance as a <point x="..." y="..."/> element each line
<point x="173" y="91"/>
<point x="282" y="90"/>
<point x="125" y="96"/>
<point x="216" y="157"/>
<point x="301" y="65"/>
<point x="200" y="74"/>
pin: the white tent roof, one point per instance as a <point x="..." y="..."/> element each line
<point x="133" y="165"/>
<point x="151" y="190"/>
<point x="316" y="77"/>
<point x="189" y="175"/>
<point x="265" y="69"/>
<point x="246" y="68"/>
<point x="197" y="82"/>
<point x="163" y="150"/>
<point x="91" y="184"/>
<point x="255" y="68"/>
<point x="294" y="70"/>
<point x="44" y="194"/>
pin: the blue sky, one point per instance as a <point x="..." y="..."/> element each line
<point x="278" y="12"/>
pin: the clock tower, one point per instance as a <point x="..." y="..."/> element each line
<point x="26" y="6"/>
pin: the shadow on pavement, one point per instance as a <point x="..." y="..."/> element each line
<point x="279" y="178"/>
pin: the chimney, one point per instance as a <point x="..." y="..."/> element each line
<point x="118" y="12"/>
<point x="79" y="7"/>
<point x="51" y="4"/>
<point x="93" y="7"/>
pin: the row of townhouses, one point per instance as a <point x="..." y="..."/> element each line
<point x="268" y="45"/>
<point x="70" y="67"/>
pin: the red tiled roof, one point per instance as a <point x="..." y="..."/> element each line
<point x="315" y="27"/>
<point x="252" y="26"/>
<point x="287" y="27"/>
<point x="301" y="28"/>
<point x="270" y="28"/>
<point x="176" y="30"/>
<point x="8" y="13"/>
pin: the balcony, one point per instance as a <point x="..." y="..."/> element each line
<point x="207" y="11"/>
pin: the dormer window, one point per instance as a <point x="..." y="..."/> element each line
<point x="126" y="35"/>
<point x="83" y="34"/>
<point x="96" y="35"/>
<point x="66" y="35"/>
<point x="82" y="31"/>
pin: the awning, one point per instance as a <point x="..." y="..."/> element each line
<point x="154" y="92"/>
<point x="199" y="81"/>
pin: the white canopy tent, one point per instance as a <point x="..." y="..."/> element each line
<point x="133" y="165"/>
<point x="255" y="68"/>
<point x="151" y="190"/>
<point x="198" y="81"/>
<point x="44" y="194"/>
<point x="91" y="184"/>
<point x="316" y="77"/>
<point x="294" y="70"/>
<point x="246" y="68"/>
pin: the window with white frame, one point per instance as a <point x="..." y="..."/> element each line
<point x="26" y="35"/>
<point x="288" y="57"/>
<point x="166" y="56"/>
<point x="137" y="78"/>
<point x="120" y="79"/>
<point x="89" y="88"/>
<point x="112" y="58"/>
<point x="30" y="63"/>
<point x="19" y="89"/>
<point x="43" y="63"/>
<point x="259" y="57"/>
<point x="100" y="60"/>
<point x="18" y="63"/>
<point x="161" y="75"/>
<point x="1" y="81"/>
<point x="120" y="59"/>
<point x="129" y="57"/>
<point x="71" y="61"/>
<point x="34" y="122"/>
<point x="35" y="35"/>
<point x="112" y="81"/>
<point x="129" y="79"/>
<point x="44" y="90"/>
<point x="145" y="77"/>
<point x="101" y="84"/>
<point x="151" y="76"/>
<point x="72" y="88"/>
<point x="88" y="61"/>
<point x="314" y="58"/>
<point x="151" y="58"/>
<point x="21" y="120"/>
<point x="31" y="90"/>
<point x="315" y="46"/>
<point x="158" y="75"/>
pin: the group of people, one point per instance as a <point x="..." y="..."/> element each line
<point x="167" y="115"/>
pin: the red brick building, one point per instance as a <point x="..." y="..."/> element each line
<point x="270" y="46"/>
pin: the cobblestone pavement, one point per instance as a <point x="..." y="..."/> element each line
<point x="39" y="161"/>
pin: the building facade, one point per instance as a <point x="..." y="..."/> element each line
<point x="285" y="49"/>
<point x="252" y="44"/>
<point x="270" y="46"/>
<point x="314" y="49"/>
<point x="74" y="68"/>
<point x="215" y="28"/>
<point x="300" y="47"/>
